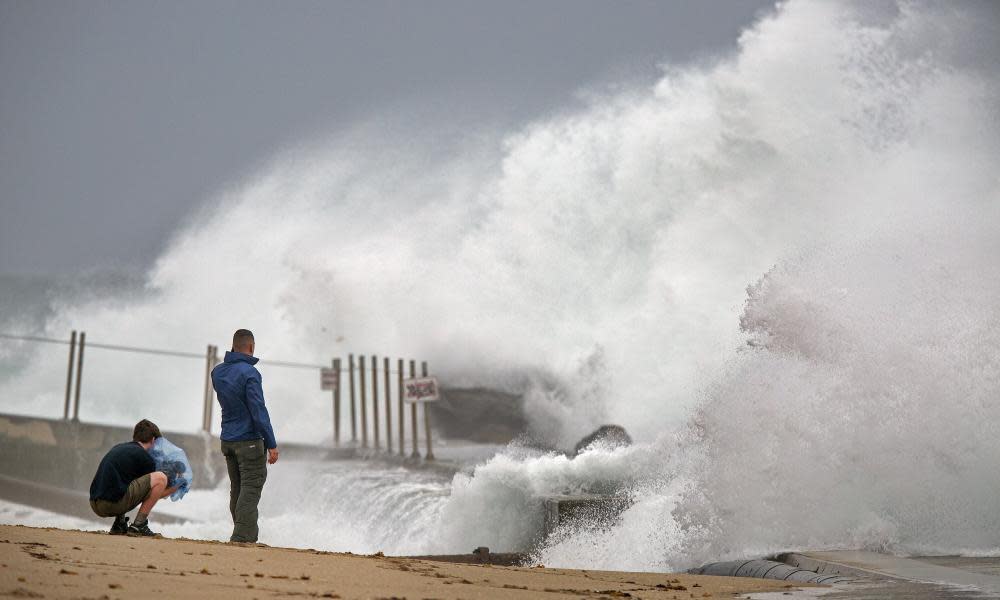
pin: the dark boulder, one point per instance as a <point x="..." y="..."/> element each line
<point x="612" y="436"/>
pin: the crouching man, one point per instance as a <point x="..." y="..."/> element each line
<point x="126" y="478"/>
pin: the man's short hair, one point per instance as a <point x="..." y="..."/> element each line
<point x="145" y="431"/>
<point x="242" y="339"/>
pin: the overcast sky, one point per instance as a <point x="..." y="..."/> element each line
<point x="118" y="118"/>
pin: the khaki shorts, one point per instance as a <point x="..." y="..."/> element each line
<point x="137" y="491"/>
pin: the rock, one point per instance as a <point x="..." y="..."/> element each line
<point x="612" y="436"/>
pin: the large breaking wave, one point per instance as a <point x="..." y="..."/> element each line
<point x="777" y="270"/>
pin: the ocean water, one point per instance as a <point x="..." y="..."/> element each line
<point x="776" y="269"/>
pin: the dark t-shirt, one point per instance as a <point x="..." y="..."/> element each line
<point x="118" y="468"/>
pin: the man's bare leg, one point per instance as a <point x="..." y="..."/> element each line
<point x="157" y="489"/>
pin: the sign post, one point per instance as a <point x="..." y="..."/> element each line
<point x="329" y="379"/>
<point x="421" y="390"/>
<point x="427" y="415"/>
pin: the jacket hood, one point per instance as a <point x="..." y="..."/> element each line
<point x="235" y="357"/>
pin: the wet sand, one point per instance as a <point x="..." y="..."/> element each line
<point x="56" y="563"/>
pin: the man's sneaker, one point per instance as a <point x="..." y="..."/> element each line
<point x="140" y="530"/>
<point x="120" y="526"/>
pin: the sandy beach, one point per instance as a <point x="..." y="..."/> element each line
<point x="55" y="563"/>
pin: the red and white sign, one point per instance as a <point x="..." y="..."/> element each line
<point x="329" y="379"/>
<point x="422" y="389"/>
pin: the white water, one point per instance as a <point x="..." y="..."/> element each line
<point x="842" y="164"/>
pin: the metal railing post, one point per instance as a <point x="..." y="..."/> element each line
<point x="211" y="387"/>
<point x="388" y="406"/>
<point x="375" y="400"/>
<point x="402" y="412"/>
<point x="206" y="395"/>
<point x="354" y="420"/>
<point x="79" y="376"/>
<point x="363" y="401"/>
<point x="69" y="374"/>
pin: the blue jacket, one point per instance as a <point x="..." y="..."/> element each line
<point x="237" y="385"/>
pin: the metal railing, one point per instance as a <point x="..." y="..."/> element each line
<point x="74" y="379"/>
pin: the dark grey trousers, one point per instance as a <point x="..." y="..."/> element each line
<point x="247" y="465"/>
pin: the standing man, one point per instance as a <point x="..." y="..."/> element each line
<point x="246" y="433"/>
<point x="126" y="478"/>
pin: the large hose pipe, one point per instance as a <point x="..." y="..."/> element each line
<point x="766" y="569"/>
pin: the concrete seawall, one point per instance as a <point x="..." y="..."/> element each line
<point x="65" y="454"/>
<point x="49" y="463"/>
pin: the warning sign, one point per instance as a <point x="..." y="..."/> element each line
<point x="423" y="389"/>
<point x="329" y="379"/>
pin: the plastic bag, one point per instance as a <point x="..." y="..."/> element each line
<point x="175" y="465"/>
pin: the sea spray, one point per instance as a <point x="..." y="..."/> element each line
<point x="841" y="163"/>
<point x="859" y="415"/>
<point x="345" y="506"/>
<point x="870" y="391"/>
<point x="631" y="227"/>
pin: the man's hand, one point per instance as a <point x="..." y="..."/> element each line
<point x="272" y="456"/>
